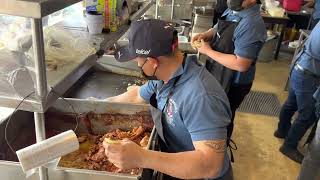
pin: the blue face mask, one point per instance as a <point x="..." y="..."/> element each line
<point x="153" y="77"/>
<point x="235" y="5"/>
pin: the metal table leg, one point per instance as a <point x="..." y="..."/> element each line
<point x="172" y="9"/>
<point x="276" y="54"/>
<point x="157" y="9"/>
<point x="41" y="84"/>
<point x="39" y="122"/>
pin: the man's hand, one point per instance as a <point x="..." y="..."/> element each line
<point x="206" y="36"/>
<point x="198" y="37"/>
<point x="124" y="155"/>
<point x="204" y="48"/>
<point x="131" y="96"/>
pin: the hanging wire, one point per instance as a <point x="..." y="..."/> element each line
<point x="7" y="124"/>
<point x="17" y="108"/>
<point x="70" y="105"/>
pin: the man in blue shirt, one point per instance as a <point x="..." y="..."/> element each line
<point x="304" y="79"/>
<point x="235" y="43"/>
<point x="316" y="13"/>
<point x="189" y="108"/>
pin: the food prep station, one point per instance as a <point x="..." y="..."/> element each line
<point x="49" y="86"/>
<point x="23" y="122"/>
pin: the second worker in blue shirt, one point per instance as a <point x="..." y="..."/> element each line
<point x="232" y="46"/>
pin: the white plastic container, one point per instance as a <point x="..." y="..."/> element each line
<point x="276" y="12"/>
<point x="182" y="39"/>
<point x="95" y="22"/>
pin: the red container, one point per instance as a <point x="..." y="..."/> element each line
<point x="292" y="5"/>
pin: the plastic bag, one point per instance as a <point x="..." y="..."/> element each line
<point x="17" y="74"/>
<point x="63" y="47"/>
<point x="16" y="78"/>
<point x="16" y="36"/>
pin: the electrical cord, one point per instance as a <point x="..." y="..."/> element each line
<point x="70" y="105"/>
<point x="7" y="124"/>
<point x="17" y="108"/>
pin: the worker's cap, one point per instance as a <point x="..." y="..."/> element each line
<point x="148" y="38"/>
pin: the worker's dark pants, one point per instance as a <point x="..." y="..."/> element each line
<point x="310" y="169"/>
<point x="236" y="94"/>
<point x="300" y="98"/>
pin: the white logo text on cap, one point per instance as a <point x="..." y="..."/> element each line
<point x="142" y="51"/>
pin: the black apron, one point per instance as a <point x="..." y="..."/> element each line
<point x="222" y="42"/>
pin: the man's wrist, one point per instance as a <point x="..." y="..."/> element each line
<point x="208" y="34"/>
<point x="145" y="158"/>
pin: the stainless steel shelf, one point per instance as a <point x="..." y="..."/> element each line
<point x="142" y="10"/>
<point x="33" y="8"/>
<point x="62" y="79"/>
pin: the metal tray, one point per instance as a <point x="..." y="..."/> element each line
<point x="23" y="122"/>
<point x="100" y="83"/>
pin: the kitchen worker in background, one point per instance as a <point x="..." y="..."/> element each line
<point x="189" y="108"/>
<point x="316" y="12"/>
<point x="304" y="79"/>
<point x="233" y="46"/>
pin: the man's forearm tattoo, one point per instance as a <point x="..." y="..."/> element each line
<point x="217" y="146"/>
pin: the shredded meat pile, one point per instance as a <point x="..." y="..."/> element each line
<point x="96" y="156"/>
<point x="91" y="135"/>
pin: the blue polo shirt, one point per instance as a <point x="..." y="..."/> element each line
<point x="197" y="110"/>
<point x="248" y="38"/>
<point x="316" y="12"/>
<point x="309" y="57"/>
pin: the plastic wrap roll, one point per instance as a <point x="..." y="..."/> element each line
<point x="45" y="151"/>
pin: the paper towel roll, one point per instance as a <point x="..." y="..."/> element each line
<point x="45" y="151"/>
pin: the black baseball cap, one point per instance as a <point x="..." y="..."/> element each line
<point x="148" y="38"/>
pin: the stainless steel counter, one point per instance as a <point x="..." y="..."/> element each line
<point x="101" y="85"/>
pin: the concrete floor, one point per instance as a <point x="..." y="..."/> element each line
<point x="257" y="157"/>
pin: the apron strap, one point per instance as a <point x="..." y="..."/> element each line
<point x="171" y="92"/>
<point x="312" y="134"/>
<point x="154" y="103"/>
<point x="153" y="98"/>
<point x="231" y="147"/>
